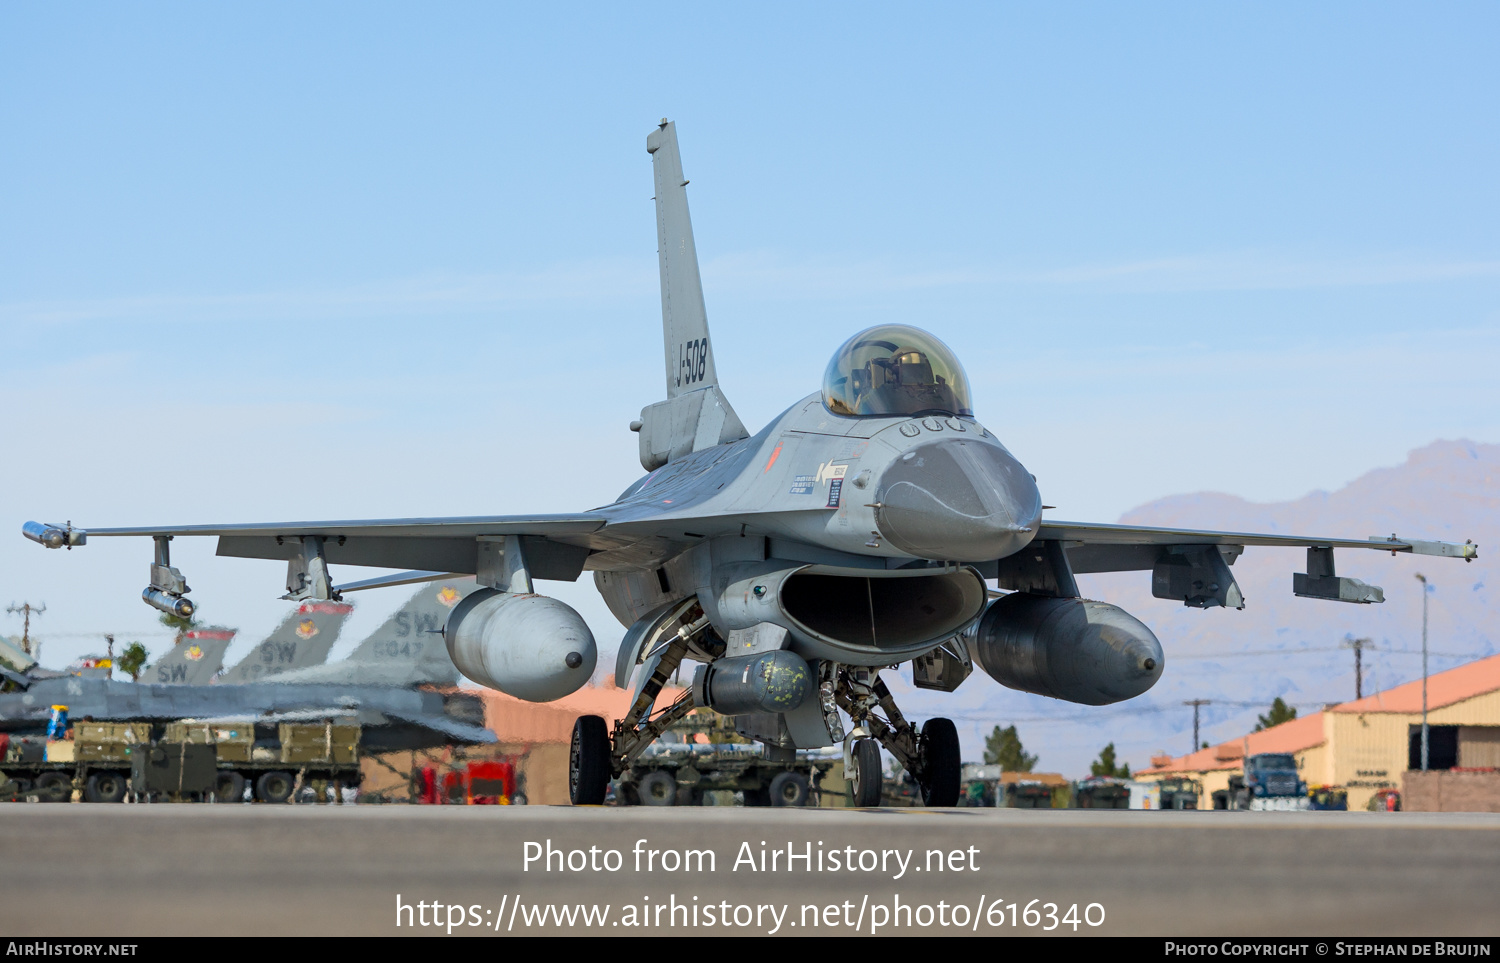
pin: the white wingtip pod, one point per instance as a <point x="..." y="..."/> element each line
<point x="528" y="646"/>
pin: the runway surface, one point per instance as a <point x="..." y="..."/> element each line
<point x="75" y="870"/>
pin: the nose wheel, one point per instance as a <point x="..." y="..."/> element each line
<point x="865" y="777"/>
<point x="932" y="756"/>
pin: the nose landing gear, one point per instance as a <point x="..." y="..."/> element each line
<point x="931" y="755"/>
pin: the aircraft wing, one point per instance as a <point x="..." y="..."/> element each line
<point x="1094" y="547"/>
<point x="432" y="544"/>
<point x="1192" y="565"/>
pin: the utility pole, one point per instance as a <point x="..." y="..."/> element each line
<point x="26" y="608"/>
<point x="1423" y="579"/>
<point x="1195" y="703"/>
<point x="110" y="641"/>
<point x="1358" y="645"/>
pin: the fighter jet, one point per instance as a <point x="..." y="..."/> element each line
<point x="855" y="532"/>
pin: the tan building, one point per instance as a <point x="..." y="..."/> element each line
<point x="1368" y="744"/>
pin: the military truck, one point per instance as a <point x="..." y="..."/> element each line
<point x="1269" y="781"/>
<point x="1101" y="792"/>
<point x="184" y="761"/>
<point x="1178" y="793"/>
<point x="701" y="753"/>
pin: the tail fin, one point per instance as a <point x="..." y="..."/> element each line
<point x="193" y="661"/>
<point x="301" y="640"/>
<point x="408" y="649"/>
<point x="689" y="355"/>
<point x="670" y="429"/>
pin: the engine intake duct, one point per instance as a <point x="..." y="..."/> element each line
<point x="1091" y="653"/>
<point x="768" y="682"/>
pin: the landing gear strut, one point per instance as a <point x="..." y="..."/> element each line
<point x="598" y="755"/>
<point x="931" y="755"/>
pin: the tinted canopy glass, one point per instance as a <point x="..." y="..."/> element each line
<point x="895" y="369"/>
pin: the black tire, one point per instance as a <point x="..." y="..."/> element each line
<point x="942" y="764"/>
<point x="229" y="787"/>
<point x="865" y="780"/>
<point x="588" y="762"/>
<point x="54" y="786"/>
<point x="657" y="788"/>
<point x="790" y="789"/>
<point x="105" y="786"/>
<point x="274" y="787"/>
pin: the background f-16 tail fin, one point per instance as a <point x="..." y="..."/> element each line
<point x="408" y="648"/>
<point x="300" y="641"/>
<point x="695" y="414"/>
<point x="195" y="660"/>
<point x="409" y="645"/>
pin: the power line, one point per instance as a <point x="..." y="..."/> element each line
<point x="1196" y="703"/>
<point x="26" y="609"/>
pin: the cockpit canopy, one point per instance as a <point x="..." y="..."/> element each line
<point x="895" y="369"/>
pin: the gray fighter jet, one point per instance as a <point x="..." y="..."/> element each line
<point x="193" y="661"/>
<point x="853" y="533"/>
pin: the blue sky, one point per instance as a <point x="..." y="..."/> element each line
<point x="368" y="259"/>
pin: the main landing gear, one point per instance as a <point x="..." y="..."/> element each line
<point x="598" y="755"/>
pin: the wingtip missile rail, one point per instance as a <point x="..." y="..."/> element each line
<point x="55" y="536"/>
<point x="1468" y="551"/>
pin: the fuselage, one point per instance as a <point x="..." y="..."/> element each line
<point x="822" y="494"/>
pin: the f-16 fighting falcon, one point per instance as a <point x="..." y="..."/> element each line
<point x="852" y="534"/>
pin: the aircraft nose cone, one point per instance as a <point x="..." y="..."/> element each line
<point x="958" y="500"/>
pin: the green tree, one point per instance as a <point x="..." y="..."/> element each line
<point x="177" y="624"/>
<point x="132" y="660"/>
<point x="1280" y="712"/>
<point x="1003" y="747"/>
<point x="1105" y="764"/>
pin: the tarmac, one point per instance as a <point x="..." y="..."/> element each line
<point x="257" y="870"/>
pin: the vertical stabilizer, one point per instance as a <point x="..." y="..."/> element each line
<point x="193" y="661"/>
<point x="408" y="649"/>
<point x="689" y="354"/>
<point x="301" y="640"/>
<point x="696" y="414"/>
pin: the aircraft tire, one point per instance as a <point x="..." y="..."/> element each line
<point x="943" y="764"/>
<point x="790" y="789"/>
<point x="657" y="788"/>
<point x="229" y="787"/>
<point x="865" y="781"/>
<point x="106" y="786"/>
<point x="54" y="787"/>
<point x="274" y="787"/>
<point x="588" y="762"/>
